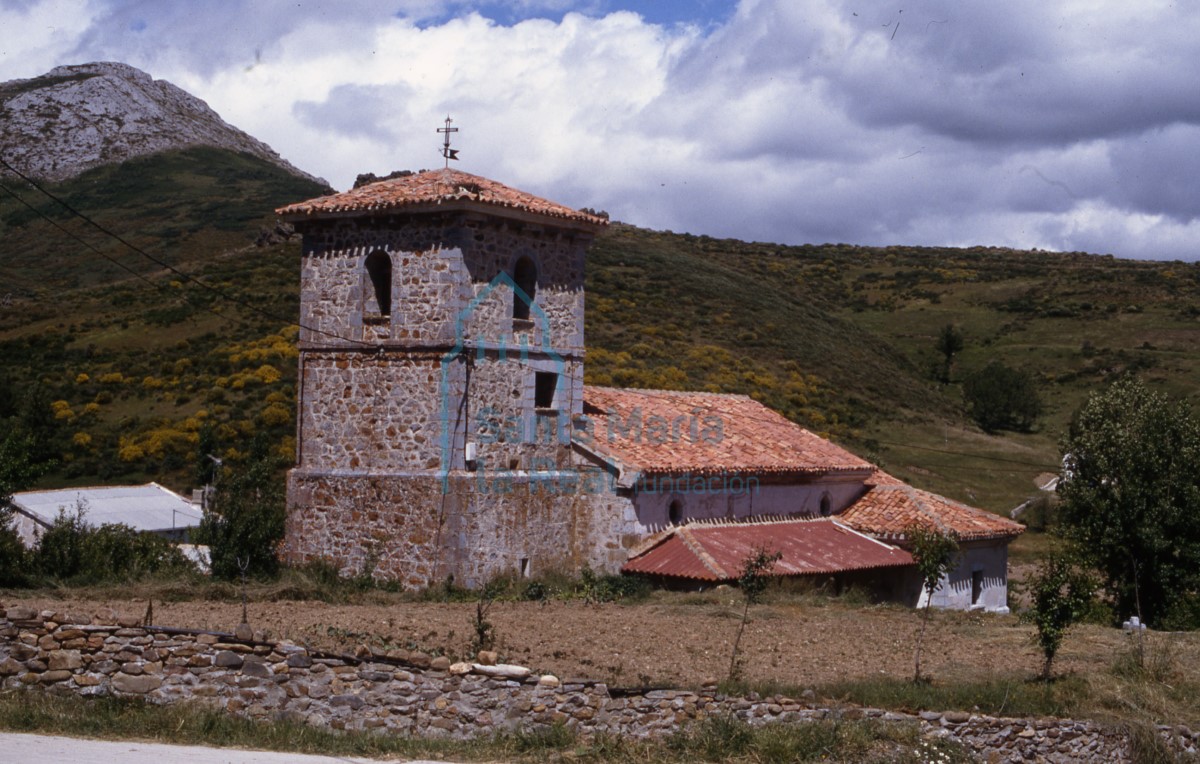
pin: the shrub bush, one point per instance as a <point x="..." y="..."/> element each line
<point x="73" y="551"/>
<point x="13" y="566"/>
<point x="1002" y="398"/>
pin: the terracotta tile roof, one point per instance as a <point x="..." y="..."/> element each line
<point x="434" y="188"/>
<point x="890" y="506"/>
<point x="687" y="433"/>
<point x="717" y="551"/>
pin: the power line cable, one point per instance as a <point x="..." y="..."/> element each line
<point x="113" y="260"/>
<point x="75" y="236"/>
<point x="215" y="290"/>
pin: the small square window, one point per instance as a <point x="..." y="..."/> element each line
<point x="545" y="385"/>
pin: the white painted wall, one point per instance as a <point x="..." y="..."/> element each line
<point x="990" y="560"/>
<point x="653" y="507"/>
<point x="27" y="528"/>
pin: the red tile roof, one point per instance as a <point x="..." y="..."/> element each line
<point x="449" y="189"/>
<point x="687" y="433"/>
<point x="890" y="506"/>
<point x="718" y="551"/>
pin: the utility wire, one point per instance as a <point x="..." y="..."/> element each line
<point x="113" y="260"/>
<point x="215" y="290"/>
<point x="76" y="237"/>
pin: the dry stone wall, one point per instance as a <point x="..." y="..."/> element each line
<point x="406" y="693"/>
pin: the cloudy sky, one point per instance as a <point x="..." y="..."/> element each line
<point x="1059" y="124"/>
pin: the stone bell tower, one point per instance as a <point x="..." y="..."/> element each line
<point x="441" y="364"/>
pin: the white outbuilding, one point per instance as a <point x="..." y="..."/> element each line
<point x="150" y="508"/>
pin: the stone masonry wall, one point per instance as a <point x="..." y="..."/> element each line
<point x="370" y="411"/>
<point x="415" y="694"/>
<point x="372" y="433"/>
<point x="439" y="265"/>
<point x="419" y="529"/>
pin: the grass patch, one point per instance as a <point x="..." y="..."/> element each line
<point x="719" y="739"/>
<point x="195" y="724"/>
<point x="1067" y="696"/>
<point x="1070" y="696"/>
<point x="319" y="581"/>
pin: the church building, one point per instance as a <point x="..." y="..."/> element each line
<point x="444" y="429"/>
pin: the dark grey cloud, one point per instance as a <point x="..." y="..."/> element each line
<point x="1159" y="170"/>
<point x="358" y="111"/>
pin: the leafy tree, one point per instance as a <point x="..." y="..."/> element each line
<point x="245" y="523"/>
<point x="1131" y="497"/>
<point x="752" y="582"/>
<point x="935" y="554"/>
<point x="1061" y="592"/>
<point x="17" y="471"/>
<point x="35" y="417"/>
<point x="950" y="343"/>
<point x="1002" y="398"/>
<point x="206" y="447"/>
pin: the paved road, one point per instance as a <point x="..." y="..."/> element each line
<point x="45" y="749"/>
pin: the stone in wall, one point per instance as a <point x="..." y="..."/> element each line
<point x="414" y="694"/>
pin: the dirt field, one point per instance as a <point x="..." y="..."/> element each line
<point x="672" y="639"/>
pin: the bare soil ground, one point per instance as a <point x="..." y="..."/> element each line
<point x="671" y="639"/>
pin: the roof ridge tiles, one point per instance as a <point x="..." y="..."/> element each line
<point x="723" y="522"/>
<point x="701" y="553"/>
<point x="673" y="393"/>
<point x="436" y="188"/>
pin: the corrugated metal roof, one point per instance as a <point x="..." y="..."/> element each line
<point x="147" y="507"/>
<point x="718" y="551"/>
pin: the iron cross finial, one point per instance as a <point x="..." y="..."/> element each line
<point x="447" y="152"/>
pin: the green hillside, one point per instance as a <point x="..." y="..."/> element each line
<point x="131" y="376"/>
<point x="125" y="368"/>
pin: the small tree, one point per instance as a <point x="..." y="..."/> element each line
<point x="1002" y="398"/>
<point x="246" y="521"/>
<point x="935" y="554"/>
<point x="950" y="343"/>
<point x="752" y="582"/>
<point x="1061" y="592"/>
<point x="17" y="471"/>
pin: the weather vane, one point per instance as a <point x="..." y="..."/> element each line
<point x="447" y="152"/>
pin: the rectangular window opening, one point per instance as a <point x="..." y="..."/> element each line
<point x="524" y="567"/>
<point x="545" y="386"/>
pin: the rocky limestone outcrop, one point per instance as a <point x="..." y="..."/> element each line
<point x="74" y="118"/>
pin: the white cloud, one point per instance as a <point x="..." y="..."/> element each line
<point x="38" y="34"/>
<point x="1068" y="125"/>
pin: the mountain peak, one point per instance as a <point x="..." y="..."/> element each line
<point x="77" y="117"/>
